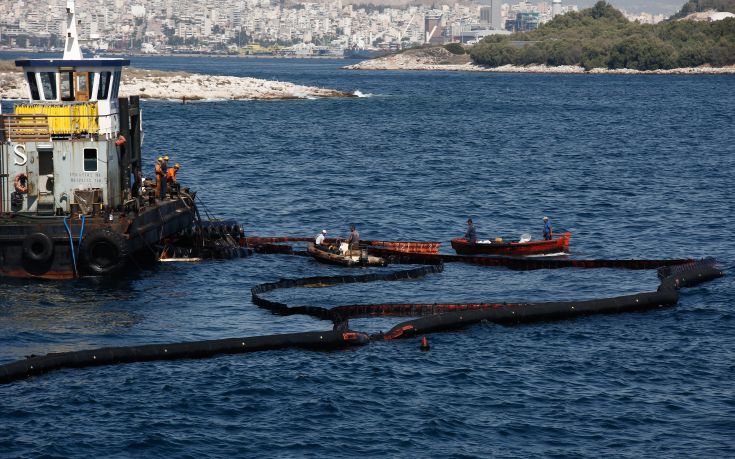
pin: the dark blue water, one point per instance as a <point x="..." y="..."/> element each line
<point x="635" y="166"/>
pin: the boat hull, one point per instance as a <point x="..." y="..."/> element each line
<point x="350" y="261"/>
<point x="40" y="247"/>
<point x="516" y="249"/>
<point x="399" y="246"/>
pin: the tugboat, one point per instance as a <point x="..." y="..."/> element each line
<point x="71" y="199"/>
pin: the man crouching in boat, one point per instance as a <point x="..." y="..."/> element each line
<point x="319" y="241"/>
<point x="548" y="233"/>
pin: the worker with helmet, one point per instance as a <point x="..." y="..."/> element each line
<point x="172" y="183"/>
<point x="164" y="174"/>
<point x="160" y="176"/>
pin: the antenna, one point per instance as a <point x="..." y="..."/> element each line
<point x="71" y="48"/>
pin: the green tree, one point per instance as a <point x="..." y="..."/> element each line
<point x="722" y="54"/>
<point x="455" y="48"/>
<point x="692" y="55"/>
<point x="604" y="10"/>
<point x="601" y="37"/>
<point x="494" y="54"/>
<point x="641" y="53"/>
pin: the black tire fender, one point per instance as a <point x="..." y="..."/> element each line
<point x="104" y="252"/>
<point x="38" y="247"/>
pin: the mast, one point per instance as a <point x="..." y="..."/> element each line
<point x="71" y="47"/>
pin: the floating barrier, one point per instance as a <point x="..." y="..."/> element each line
<point x="515" y="263"/>
<point x="512" y="314"/>
<point x="689" y="274"/>
<point x="273" y="249"/>
<point x="437" y="317"/>
<point x="522" y="264"/>
<point x="36" y="365"/>
<point x="340" y="314"/>
<point x="399" y="246"/>
<point x="685" y="275"/>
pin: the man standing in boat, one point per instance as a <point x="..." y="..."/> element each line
<point x="548" y="233"/>
<point x="470" y="234"/>
<point x="353" y="241"/>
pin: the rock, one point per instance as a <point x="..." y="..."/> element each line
<point x="171" y="85"/>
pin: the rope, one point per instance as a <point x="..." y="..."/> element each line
<point x="71" y="245"/>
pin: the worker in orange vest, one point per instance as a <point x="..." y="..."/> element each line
<point x="160" y="175"/>
<point x="173" y="185"/>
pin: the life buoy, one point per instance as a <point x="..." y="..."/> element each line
<point x="120" y="140"/>
<point x="21" y="183"/>
<point x="104" y="252"/>
<point x="38" y="248"/>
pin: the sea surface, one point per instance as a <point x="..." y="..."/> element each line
<point x="633" y="166"/>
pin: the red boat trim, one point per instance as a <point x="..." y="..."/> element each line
<point x="401" y="246"/>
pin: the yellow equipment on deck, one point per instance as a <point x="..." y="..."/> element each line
<point x="65" y="119"/>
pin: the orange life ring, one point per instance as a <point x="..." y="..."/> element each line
<point x="21" y="187"/>
<point x="120" y="140"/>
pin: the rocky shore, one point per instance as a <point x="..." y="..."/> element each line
<point x="153" y="84"/>
<point x="441" y="59"/>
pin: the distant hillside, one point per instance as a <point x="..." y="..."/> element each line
<point x="697" y="6"/>
<point x="601" y="37"/>
<point x="666" y="7"/>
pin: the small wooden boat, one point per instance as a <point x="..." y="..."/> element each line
<point x="353" y="258"/>
<point x="517" y="249"/>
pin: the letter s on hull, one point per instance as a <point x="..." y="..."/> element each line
<point x="20" y="153"/>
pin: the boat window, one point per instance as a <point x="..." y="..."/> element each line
<point x="35" y="95"/>
<point x="90" y="160"/>
<point x="104" y="86"/>
<point x="48" y="83"/>
<point x="83" y="82"/>
<point x="115" y="85"/>
<point x="66" y="88"/>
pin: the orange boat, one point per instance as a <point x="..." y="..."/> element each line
<point x="515" y="249"/>
<point x="407" y="246"/>
<point x="400" y="246"/>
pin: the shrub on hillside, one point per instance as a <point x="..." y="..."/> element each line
<point x="601" y="37"/>
<point x="455" y="48"/>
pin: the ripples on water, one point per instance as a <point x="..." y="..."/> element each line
<point x="635" y="166"/>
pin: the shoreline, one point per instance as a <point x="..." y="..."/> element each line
<point x="564" y="70"/>
<point x="158" y="85"/>
<point x="127" y="55"/>
<point x="439" y="59"/>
